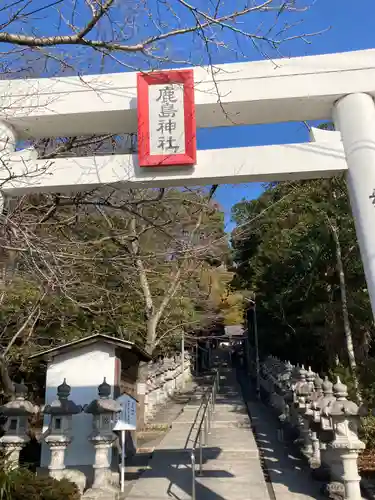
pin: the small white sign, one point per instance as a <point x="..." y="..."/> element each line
<point x="167" y="119"/>
<point x="127" y="419"/>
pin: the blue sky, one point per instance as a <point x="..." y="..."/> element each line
<point x="352" y="28"/>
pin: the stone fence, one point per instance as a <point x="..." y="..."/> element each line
<point x="164" y="379"/>
<point x="321" y="418"/>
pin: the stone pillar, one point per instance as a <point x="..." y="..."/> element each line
<point x="57" y="465"/>
<point x="354" y="117"/>
<point x="102" y="472"/>
<point x="104" y="411"/>
<point x="17" y="411"/>
<point x="345" y="416"/>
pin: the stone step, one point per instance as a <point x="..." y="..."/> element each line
<point x="211" y="452"/>
<point x="225" y="403"/>
<point x="233" y="425"/>
<point x="104" y="496"/>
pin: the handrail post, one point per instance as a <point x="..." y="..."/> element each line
<point x="209" y="412"/>
<point x="200" y="453"/>
<point x="206" y="429"/>
<point x="192" y="458"/>
<point x="208" y="407"/>
<point x="214" y="392"/>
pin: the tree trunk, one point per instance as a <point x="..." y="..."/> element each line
<point x="5" y="381"/>
<point x="345" y="313"/>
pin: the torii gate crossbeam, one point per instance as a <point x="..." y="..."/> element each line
<point x="216" y="166"/>
<point x="336" y="86"/>
<point x="297" y="89"/>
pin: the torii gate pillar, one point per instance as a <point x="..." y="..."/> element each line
<point x="354" y="117"/>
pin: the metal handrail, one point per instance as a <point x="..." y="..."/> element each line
<point x="204" y="429"/>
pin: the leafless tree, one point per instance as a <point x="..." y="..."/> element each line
<point x="73" y="35"/>
<point x="70" y="37"/>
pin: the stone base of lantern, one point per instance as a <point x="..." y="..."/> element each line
<point x="102" y="495"/>
<point x="12" y="450"/>
<point x="103" y="480"/>
<point x="56" y="469"/>
<point x="351" y="478"/>
<point x="57" y="445"/>
<point x="334" y="490"/>
<point x="103" y="483"/>
<point x="109" y="489"/>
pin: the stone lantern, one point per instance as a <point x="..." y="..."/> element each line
<point x="345" y="416"/>
<point x="58" y="435"/>
<point x="310" y="379"/>
<point x="104" y="411"/>
<point x="298" y="379"/>
<point x="325" y="431"/>
<point x="313" y="415"/>
<point x="289" y="387"/>
<point x="17" y="411"/>
<point x="303" y="394"/>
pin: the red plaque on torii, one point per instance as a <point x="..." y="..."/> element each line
<point x="166" y="118"/>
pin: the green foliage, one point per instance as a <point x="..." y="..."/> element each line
<point x="367" y="431"/>
<point x="6" y="481"/>
<point x="83" y="266"/>
<point x="285" y="253"/>
<point x="21" y="484"/>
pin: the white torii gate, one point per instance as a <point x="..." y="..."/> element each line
<point x="338" y="87"/>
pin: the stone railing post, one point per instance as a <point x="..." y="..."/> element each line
<point x="104" y="411"/>
<point x="17" y="411"/>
